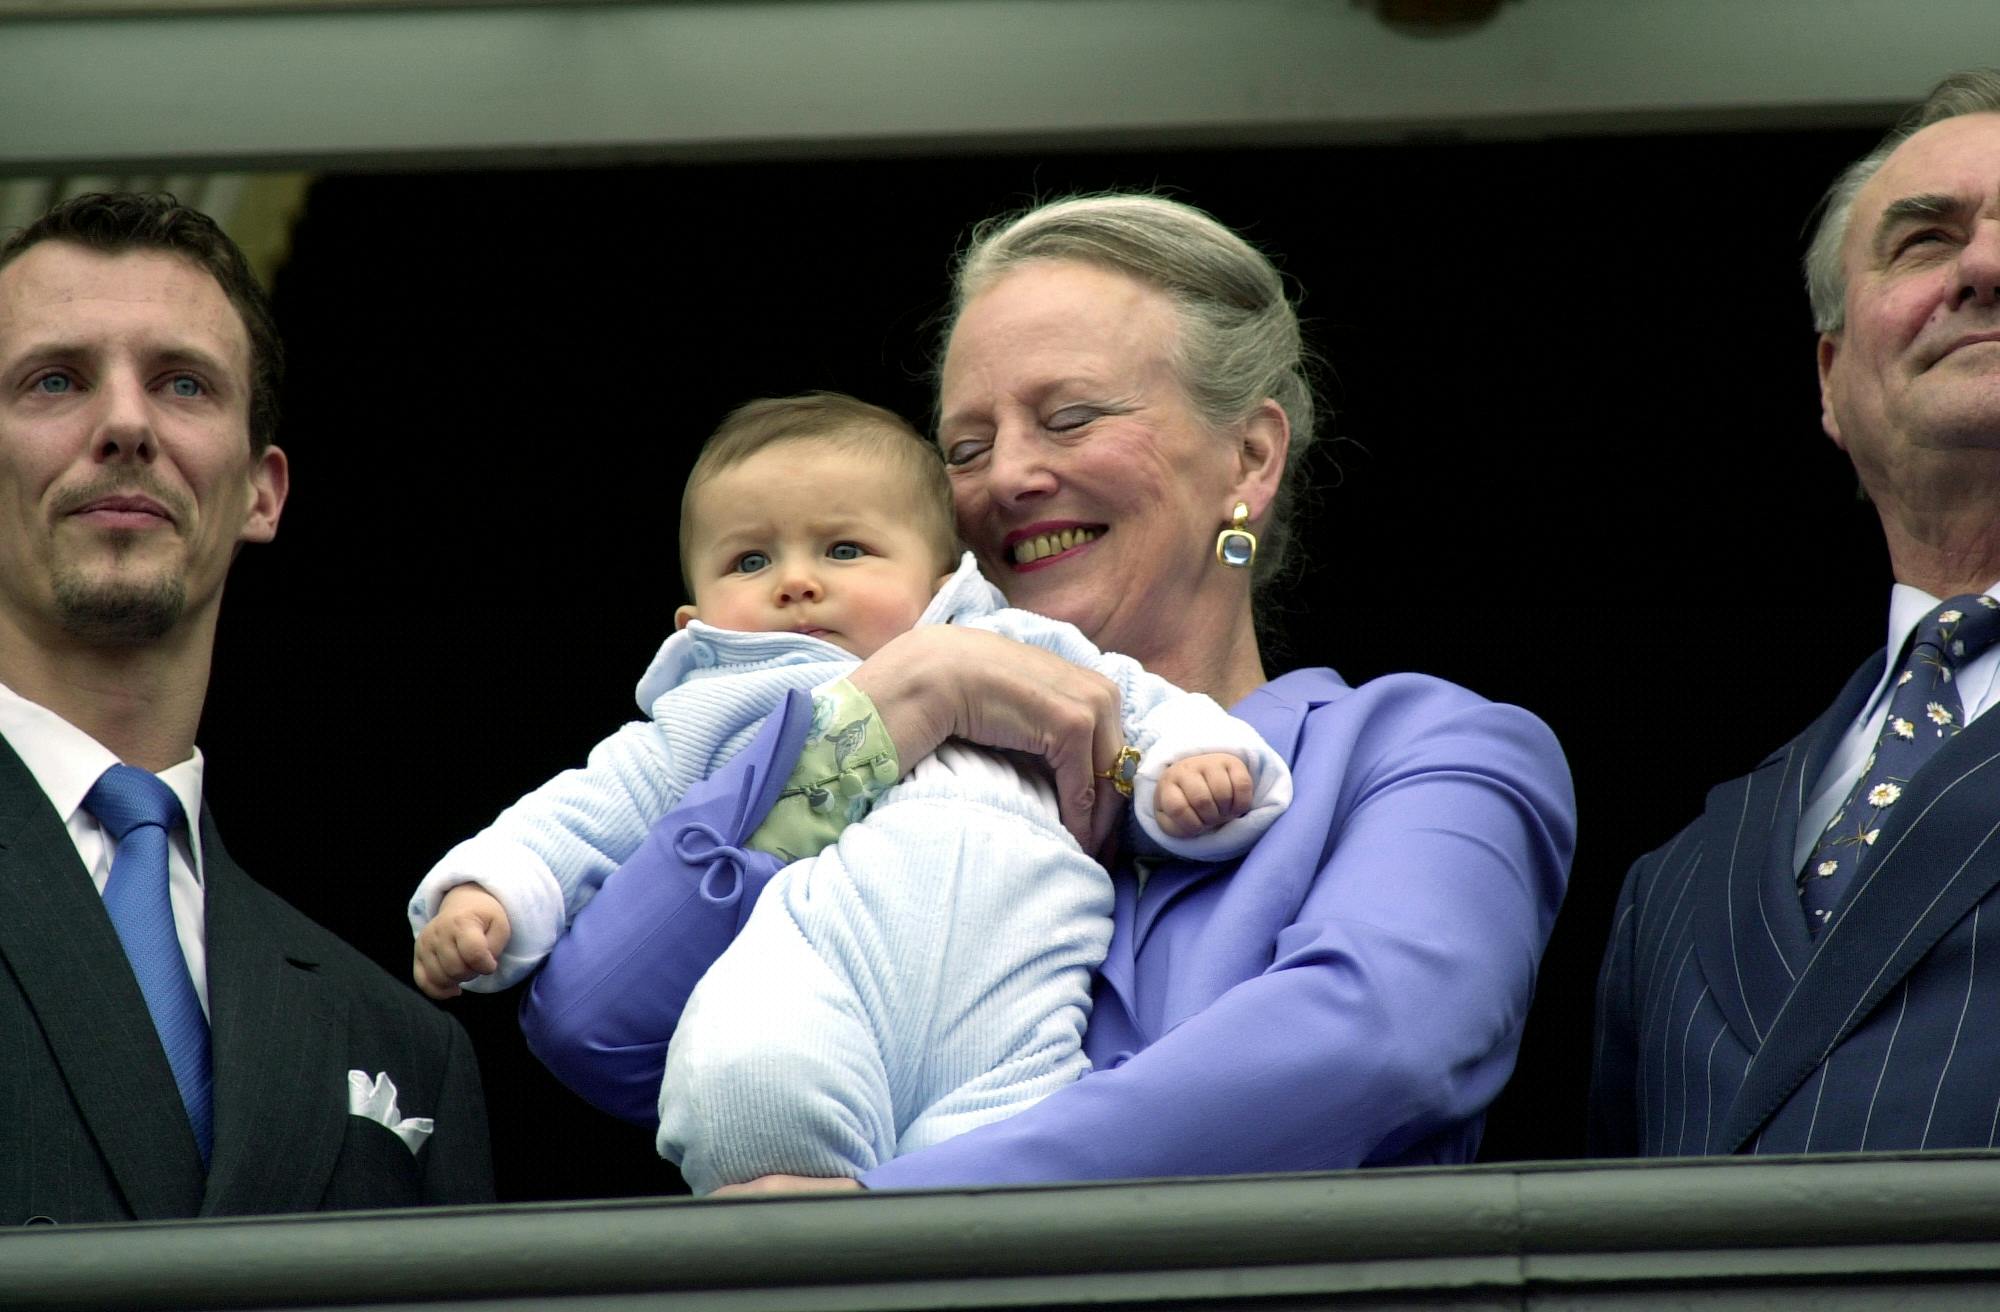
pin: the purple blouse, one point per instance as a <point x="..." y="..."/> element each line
<point x="1350" y="993"/>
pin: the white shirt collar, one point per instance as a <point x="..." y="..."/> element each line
<point x="66" y="761"/>
<point x="1907" y="607"/>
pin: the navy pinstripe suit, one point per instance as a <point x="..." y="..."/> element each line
<point x="1724" y="1027"/>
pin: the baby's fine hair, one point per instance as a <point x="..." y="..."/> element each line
<point x="840" y="420"/>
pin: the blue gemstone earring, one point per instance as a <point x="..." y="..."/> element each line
<point x="1236" y="546"/>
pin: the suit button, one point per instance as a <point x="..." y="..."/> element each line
<point x="39" y="1220"/>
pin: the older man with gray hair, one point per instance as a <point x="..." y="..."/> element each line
<point x="1810" y="965"/>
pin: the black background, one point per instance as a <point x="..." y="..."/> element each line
<point x="1572" y="461"/>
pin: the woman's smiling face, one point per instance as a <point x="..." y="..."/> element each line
<point x="1084" y="479"/>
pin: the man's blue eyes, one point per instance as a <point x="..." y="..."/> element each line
<point x="181" y="385"/>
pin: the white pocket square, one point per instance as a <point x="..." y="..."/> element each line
<point x="376" y="1100"/>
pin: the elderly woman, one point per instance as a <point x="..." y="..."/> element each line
<point x="1123" y="412"/>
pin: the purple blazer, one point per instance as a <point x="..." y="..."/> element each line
<point x="1349" y="993"/>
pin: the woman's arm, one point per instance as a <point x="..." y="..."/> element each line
<point x="1166" y="724"/>
<point x="605" y="1004"/>
<point x="944" y="681"/>
<point x="1432" y="844"/>
<point x="601" y="1011"/>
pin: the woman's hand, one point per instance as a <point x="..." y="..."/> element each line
<point x="938" y="682"/>
<point x="788" y="1184"/>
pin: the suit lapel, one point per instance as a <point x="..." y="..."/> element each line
<point x="1804" y="761"/>
<point x="1750" y="933"/>
<point x="279" y="1114"/>
<point x="1279" y="722"/>
<point x="1738" y="939"/>
<point x="1938" y="856"/>
<point x="59" y="944"/>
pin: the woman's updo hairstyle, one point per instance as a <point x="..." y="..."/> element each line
<point x="1239" y="340"/>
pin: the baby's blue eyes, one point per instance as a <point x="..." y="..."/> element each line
<point x="752" y="561"/>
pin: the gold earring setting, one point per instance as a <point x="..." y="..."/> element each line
<point x="1236" y="546"/>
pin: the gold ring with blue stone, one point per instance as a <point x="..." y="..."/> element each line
<point x="1124" y="769"/>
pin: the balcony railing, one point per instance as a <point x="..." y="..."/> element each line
<point x="1912" y="1231"/>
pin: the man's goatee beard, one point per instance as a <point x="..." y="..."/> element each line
<point x="129" y="613"/>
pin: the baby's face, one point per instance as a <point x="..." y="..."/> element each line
<point x="805" y="537"/>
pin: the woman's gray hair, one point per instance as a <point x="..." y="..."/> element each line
<point x="1970" y="91"/>
<point x="1239" y="341"/>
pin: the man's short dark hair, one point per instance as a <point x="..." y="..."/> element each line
<point x="117" y="222"/>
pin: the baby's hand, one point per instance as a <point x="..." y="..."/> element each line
<point x="1200" y="793"/>
<point x="464" y="939"/>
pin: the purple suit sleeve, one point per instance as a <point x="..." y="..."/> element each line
<point x="604" y="1005"/>
<point x="1432" y="845"/>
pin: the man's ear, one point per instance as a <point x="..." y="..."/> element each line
<point x="1829" y="347"/>
<point x="683" y="615"/>
<point x="270" y="480"/>
<point x="1263" y="442"/>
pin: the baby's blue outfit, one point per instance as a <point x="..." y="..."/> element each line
<point x="927" y="973"/>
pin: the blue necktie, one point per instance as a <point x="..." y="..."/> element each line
<point x="140" y="811"/>
<point x="1924" y="713"/>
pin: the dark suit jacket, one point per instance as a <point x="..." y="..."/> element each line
<point x="1724" y="1027"/>
<point x="91" y="1125"/>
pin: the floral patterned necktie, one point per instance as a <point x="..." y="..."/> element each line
<point x="1924" y="711"/>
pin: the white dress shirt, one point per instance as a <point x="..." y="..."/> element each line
<point x="66" y="761"/>
<point x="1978" y="682"/>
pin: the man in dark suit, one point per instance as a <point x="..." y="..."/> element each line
<point x="1814" y="964"/>
<point x="174" y="1040"/>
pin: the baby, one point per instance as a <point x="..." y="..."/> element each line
<point x="908" y="977"/>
